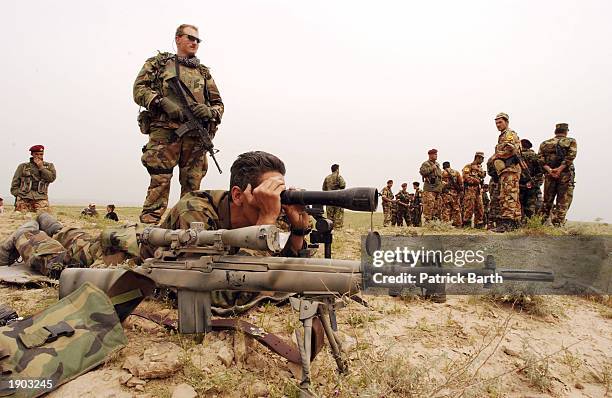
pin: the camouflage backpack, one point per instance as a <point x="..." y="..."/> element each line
<point x="76" y="334"/>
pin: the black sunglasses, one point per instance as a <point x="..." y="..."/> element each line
<point x="192" y="38"/>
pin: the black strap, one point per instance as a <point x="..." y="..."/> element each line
<point x="58" y="330"/>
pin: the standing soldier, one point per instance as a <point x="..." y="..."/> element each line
<point x="531" y="180"/>
<point x="387" y="202"/>
<point x="485" y="203"/>
<point x="452" y="189"/>
<point x="417" y="204"/>
<point x="557" y="156"/>
<point x="507" y="164"/>
<point x="164" y="115"/>
<point x="403" y="205"/>
<point x="432" y="185"/>
<point x="30" y="185"/>
<point x="334" y="182"/>
<point x="473" y="176"/>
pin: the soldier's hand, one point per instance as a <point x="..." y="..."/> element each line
<point x="38" y="162"/>
<point x="171" y="109"/>
<point x="266" y="198"/>
<point x="202" y="111"/>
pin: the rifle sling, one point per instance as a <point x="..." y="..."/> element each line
<point x="270" y="340"/>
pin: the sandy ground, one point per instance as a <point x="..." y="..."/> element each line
<point x="398" y="347"/>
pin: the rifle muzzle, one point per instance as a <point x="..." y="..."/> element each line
<point x="357" y="199"/>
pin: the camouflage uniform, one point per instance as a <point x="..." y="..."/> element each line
<point x="403" y="206"/>
<point x="432" y="187"/>
<point x="387" y="206"/>
<point x="509" y="171"/>
<point x="493" y="216"/>
<point x="334" y="182"/>
<point x="553" y="153"/>
<point x="30" y="186"/>
<point x="165" y="149"/>
<point x="416" y="208"/>
<point x="485" y="206"/>
<point x="473" y="176"/>
<point x="450" y="198"/>
<point x="529" y="188"/>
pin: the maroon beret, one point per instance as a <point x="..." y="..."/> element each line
<point x="37" y="148"/>
<point x="432" y="151"/>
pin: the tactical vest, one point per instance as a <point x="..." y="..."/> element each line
<point x="29" y="182"/>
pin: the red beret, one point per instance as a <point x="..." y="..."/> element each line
<point x="432" y="151"/>
<point x="37" y="148"/>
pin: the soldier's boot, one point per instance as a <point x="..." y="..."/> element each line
<point x="467" y="224"/>
<point x="503" y="225"/>
<point x="8" y="251"/>
<point x="481" y="226"/>
<point x="49" y="224"/>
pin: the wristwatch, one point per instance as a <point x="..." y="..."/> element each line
<point x="300" y="231"/>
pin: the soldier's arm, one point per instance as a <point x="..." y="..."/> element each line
<point x="426" y="169"/>
<point x="143" y="86"/>
<point x="341" y="182"/>
<point x="460" y="180"/>
<point x="48" y="173"/>
<point x="570" y="155"/>
<point x="214" y="97"/>
<point x="467" y="177"/>
<point x="15" y="183"/>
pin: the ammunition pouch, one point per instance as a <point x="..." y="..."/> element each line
<point x="144" y="122"/>
<point x="60" y="343"/>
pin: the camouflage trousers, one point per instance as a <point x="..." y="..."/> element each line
<point x="494" y="204"/>
<point x="31" y="205"/>
<point x="529" y="201"/>
<point x="161" y="154"/>
<point x="509" y="204"/>
<point x="450" y="209"/>
<point x="387" y="214"/>
<point x="402" y="214"/>
<point x="472" y="205"/>
<point x="431" y="202"/>
<point x="562" y="189"/>
<point x="336" y="215"/>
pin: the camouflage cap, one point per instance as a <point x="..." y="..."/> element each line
<point x="481" y="154"/>
<point x="502" y="115"/>
<point x="37" y="148"/>
<point x="562" y="126"/>
<point x="525" y="143"/>
<point x="432" y="151"/>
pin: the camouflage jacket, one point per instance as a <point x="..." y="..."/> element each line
<point x="473" y="174"/>
<point x="386" y="193"/>
<point x="432" y="176"/>
<point x="30" y="182"/>
<point x="333" y="182"/>
<point x="491" y="171"/>
<point x="535" y="168"/>
<point x="451" y="180"/>
<point x="152" y="82"/>
<point x="403" y="199"/>
<point x="508" y="145"/>
<point x="557" y="151"/>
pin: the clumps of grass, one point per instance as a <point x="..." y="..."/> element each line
<point x="536" y="368"/>
<point x="572" y="361"/>
<point x="536" y="305"/>
<point x="437" y="225"/>
<point x="361" y="319"/>
<point x="603" y="376"/>
<point x="534" y="226"/>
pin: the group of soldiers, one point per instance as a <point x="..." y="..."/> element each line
<point x="516" y="175"/>
<point x="403" y="206"/>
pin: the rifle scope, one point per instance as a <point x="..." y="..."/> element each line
<point x="357" y="199"/>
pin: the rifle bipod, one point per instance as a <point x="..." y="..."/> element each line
<point x="317" y="307"/>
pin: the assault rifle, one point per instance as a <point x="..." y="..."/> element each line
<point x="193" y="123"/>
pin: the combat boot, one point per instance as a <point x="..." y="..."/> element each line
<point x="48" y="223"/>
<point x="503" y="225"/>
<point x="8" y="251"/>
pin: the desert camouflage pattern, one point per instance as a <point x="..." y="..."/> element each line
<point x="450" y="197"/>
<point x="160" y="155"/>
<point x="31" y="183"/>
<point x="508" y="145"/>
<point x="31" y="205"/>
<point x="553" y="153"/>
<point x="334" y="182"/>
<point x="403" y="209"/>
<point x="165" y="150"/>
<point x="473" y="176"/>
<point x="530" y="189"/>
<point x="430" y="205"/>
<point x="31" y="354"/>
<point x="387" y="206"/>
